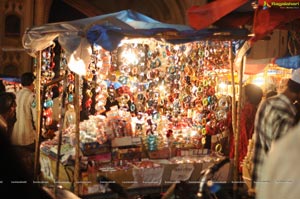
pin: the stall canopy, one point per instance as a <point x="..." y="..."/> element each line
<point x="10" y="78"/>
<point x="203" y="16"/>
<point x="108" y="30"/>
<point x="265" y="16"/>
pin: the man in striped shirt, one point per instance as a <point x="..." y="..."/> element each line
<point x="275" y="116"/>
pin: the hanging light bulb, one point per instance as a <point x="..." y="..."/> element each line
<point x="77" y="65"/>
<point x="129" y="56"/>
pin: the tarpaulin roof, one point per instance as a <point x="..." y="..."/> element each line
<point x="266" y="19"/>
<point x="290" y="62"/>
<point x="10" y="78"/>
<point x="76" y="37"/>
<point x="200" y="17"/>
<point x="267" y="15"/>
<point x="70" y="33"/>
<point x="255" y="66"/>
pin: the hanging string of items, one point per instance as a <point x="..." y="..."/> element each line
<point x="54" y="67"/>
<point x="177" y="81"/>
<point x="95" y="87"/>
<point x="166" y="95"/>
<point x="47" y="74"/>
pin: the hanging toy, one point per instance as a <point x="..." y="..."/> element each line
<point x="152" y="142"/>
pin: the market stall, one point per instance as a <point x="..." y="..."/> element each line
<point x="11" y="83"/>
<point x="142" y="102"/>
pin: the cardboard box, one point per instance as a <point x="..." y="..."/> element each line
<point x="164" y="153"/>
<point x="131" y="153"/>
<point x="94" y="148"/>
<point x="126" y="141"/>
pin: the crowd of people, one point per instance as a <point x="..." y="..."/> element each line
<point x="252" y="96"/>
<point x="270" y="121"/>
<point x="276" y="125"/>
<point x="273" y="127"/>
<point x="17" y="137"/>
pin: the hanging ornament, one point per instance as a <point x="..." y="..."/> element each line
<point x="70" y="97"/>
<point x="48" y="121"/>
<point x="88" y="103"/>
<point x="152" y="142"/>
<point x="48" y="103"/>
<point x="47" y="112"/>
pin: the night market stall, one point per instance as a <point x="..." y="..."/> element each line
<point x="11" y="83"/>
<point x="143" y="103"/>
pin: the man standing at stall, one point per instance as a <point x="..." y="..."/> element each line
<point x="275" y="116"/>
<point x="24" y="131"/>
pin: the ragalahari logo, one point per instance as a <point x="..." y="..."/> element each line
<point x="282" y="5"/>
<point x="266" y="5"/>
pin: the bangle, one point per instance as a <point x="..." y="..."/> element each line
<point x="218" y="148"/>
<point x="203" y="140"/>
<point x="203" y="131"/>
<point x="205" y="102"/>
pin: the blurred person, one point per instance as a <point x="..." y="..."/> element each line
<point x="280" y="173"/>
<point x="253" y="95"/>
<point x="56" y="104"/>
<point x="271" y="93"/>
<point x="24" y="131"/>
<point x="297" y="117"/>
<point x="70" y="116"/>
<point x="2" y="86"/>
<point x="247" y="162"/>
<point x="7" y="112"/>
<point x="275" y="116"/>
<point x="16" y="182"/>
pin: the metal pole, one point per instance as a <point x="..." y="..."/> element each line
<point x="77" y="149"/>
<point x="233" y="106"/>
<point x="238" y="126"/>
<point x="38" y="122"/>
<point x="61" y="122"/>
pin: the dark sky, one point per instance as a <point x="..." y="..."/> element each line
<point x="61" y="11"/>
